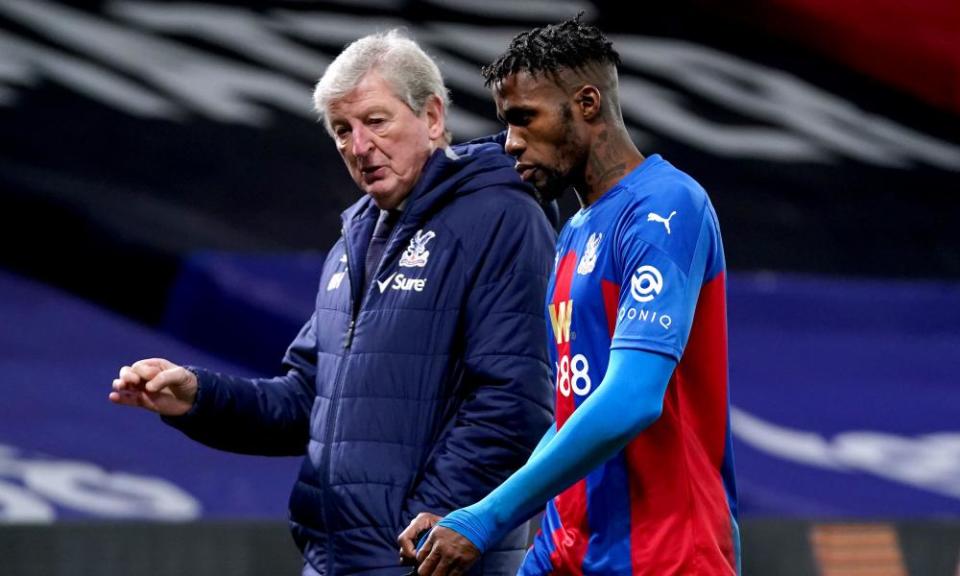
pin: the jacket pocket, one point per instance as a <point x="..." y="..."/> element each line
<point x="306" y="506"/>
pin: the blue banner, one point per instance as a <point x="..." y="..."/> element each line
<point x="67" y="452"/>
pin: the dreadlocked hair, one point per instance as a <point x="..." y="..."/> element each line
<point x="570" y="44"/>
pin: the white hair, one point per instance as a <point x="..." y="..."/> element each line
<point x="411" y="74"/>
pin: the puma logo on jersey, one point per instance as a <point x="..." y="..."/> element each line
<point x="654" y="217"/>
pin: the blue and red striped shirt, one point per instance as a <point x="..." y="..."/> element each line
<point x="643" y="268"/>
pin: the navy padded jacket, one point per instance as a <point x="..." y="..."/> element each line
<point x="421" y="392"/>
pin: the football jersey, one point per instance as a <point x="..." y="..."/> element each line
<point x="643" y="268"/>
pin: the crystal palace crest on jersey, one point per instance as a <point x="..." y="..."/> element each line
<point x="589" y="258"/>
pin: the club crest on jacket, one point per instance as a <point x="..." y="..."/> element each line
<point x="416" y="254"/>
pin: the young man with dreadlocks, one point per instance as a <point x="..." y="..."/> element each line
<point x="637" y="473"/>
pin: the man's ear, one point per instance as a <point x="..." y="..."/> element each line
<point x="433" y="111"/>
<point x="588" y="101"/>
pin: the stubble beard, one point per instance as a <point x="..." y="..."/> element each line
<point x="571" y="157"/>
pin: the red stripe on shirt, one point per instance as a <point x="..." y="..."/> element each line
<point x="570" y="540"/>
<point x="611" y="299"/>
<point x="679" y="512"/>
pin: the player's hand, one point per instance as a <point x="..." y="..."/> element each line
<point x="157" y="385"/>
<point x="410" y="537"/>
<point x="446" y="553"/>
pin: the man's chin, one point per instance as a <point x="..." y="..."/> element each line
<point x="550" y="190"/>
<point x="385" y="200"/>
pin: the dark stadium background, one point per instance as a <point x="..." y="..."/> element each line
<point x="165" y="189"/>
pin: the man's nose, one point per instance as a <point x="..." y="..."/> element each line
<point x="514" y="144"/>
<point x="361" y="142"/>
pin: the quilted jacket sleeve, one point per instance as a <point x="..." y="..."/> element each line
<point x="266" y="416"/>
<point x="508" y="398"/>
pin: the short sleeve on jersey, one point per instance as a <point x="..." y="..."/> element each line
<point x="658" y="294"/>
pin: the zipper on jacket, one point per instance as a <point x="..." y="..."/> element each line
<point x="356" y="306"/>
<point x="349" y="339"/>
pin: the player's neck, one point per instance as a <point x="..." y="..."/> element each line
<point x="612" y="156"/>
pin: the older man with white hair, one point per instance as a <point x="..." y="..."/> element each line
<point x="421" y="381"/>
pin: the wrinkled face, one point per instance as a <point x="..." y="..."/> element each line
<point x="382" y="141"/>
<point x="542" y="132"/>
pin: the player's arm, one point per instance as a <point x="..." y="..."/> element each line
<point x="423" y="522"/>
<point x="544" y="440"/>
<point x="628" y="401"/>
